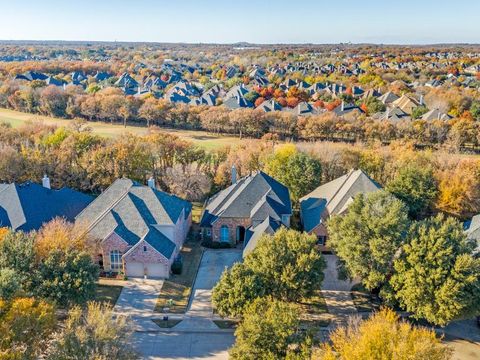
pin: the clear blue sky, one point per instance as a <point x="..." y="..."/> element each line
<point x="227" y="21"/>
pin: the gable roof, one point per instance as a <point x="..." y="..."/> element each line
<point x="133" y="211"/>
<point x="254" y="234"/>
<point x="256" y="196"/>
<point x="28" y="206"/>
<point x="334" y="197"/>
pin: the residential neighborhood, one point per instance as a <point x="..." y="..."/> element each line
<point x="245" y="181"/>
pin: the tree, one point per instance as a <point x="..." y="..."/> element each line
<point x="237" y="288"/>
<point x="367" y="237"/>
<point x="286" y="266"/>
<point x="10" y="283"/>
<point x="298" y="171"/>
<point x="95" y="334"/>
<point x="418" y="112"/>
<point x="289" y="263"/>
<point x="383" y="336"/>
<point x="17" y="252"/>
<point x="25" y="325"/>
<point x="416" y="187"/>
<point x="267" y="330"/>
<point x="67" y="277"/>
<point x="436" y="277"/>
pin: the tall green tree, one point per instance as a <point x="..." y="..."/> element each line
<point x="367" y="237"/>
<point x="436" y="277"/>
<point x="416" y="187"/>
<point x="67" y="277"/>
<point x="300" y="172"/>
<point x="286" y="266"/>
<point x="268" y="328"/>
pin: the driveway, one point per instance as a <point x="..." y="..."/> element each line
<point x="200" y="310"/>
<point x="337" y="293"/>
<point x="137" y="301"/>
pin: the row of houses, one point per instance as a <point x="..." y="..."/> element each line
<point x="140" y="229"/>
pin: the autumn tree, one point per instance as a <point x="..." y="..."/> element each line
<point x="383" y="336"/>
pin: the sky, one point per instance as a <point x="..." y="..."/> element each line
<point x="227" y="21"/>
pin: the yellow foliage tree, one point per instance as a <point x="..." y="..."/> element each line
<point x="383" y="336"/>
<point x="58" y="234"/>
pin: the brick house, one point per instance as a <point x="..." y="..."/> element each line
<point x="248" y="208"/>
<point x="140" y="229"/>
<point x="330" y="199"/>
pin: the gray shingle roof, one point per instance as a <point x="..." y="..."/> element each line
<point x="254" y="234"/>
<point x="334" y="197"/>
<point x="256" y="196"/>
<point x="28" y="206"/>
<point x="132" y="211"/>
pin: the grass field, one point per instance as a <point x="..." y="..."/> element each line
<point x="201" y="138"/>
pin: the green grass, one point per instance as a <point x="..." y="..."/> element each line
<point x="201" y="138"/>
<point x="166" y="324"/>
<point x="179" y="287"/>
<point x="363" y="300"/>
<point x="107" y="293"/>
<point x="226" y="324"/>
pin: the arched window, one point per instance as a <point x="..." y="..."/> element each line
<point x="224" y="234"/>
<point x="115" y="260"/>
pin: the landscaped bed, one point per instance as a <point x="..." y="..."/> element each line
<point x="166" y="324"/>
<point x="176" y="290"/>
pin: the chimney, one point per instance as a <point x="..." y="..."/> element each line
<point x="46" y="181"/>
<point x="151" y="182"/>
<point x="421" y="100"/>
<point x="234" y="174"/>
<point x="343" y="106"/>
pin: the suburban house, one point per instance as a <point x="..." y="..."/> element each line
<point x="140" y="229"/>
<point x="332" y="198"/>
<point x="28" y="206"/>
<point x="472" y="228"/>
<point x="253" y="205"/>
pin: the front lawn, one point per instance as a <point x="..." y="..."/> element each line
<point x="315" y="305"/>
<point x="176" y="290"/>
<point x="107" y="293"/>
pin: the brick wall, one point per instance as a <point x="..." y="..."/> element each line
<point x="232" y="224"/>
<point x="150" y="256"/>
<point x="112" y="242"/>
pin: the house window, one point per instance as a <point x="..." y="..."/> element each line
<point x="209" y="232"/>
<point x="224" y="234"/>
<point x="144" y="248"/>
<point x="321" y="240"/>
<point x="115" y="260"/>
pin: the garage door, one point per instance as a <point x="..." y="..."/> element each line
<point x="157" y="270"/>
<point x="135" y="269"/>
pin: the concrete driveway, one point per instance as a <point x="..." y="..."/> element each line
<point x="137" y="301"/>
<point x="211" y="268"/>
